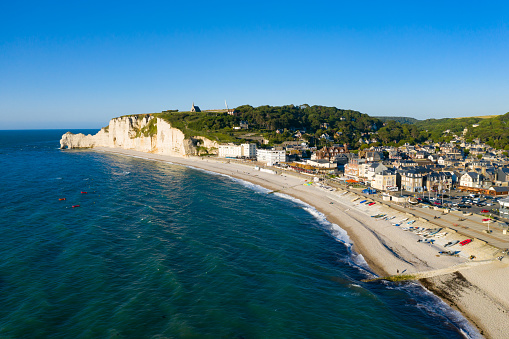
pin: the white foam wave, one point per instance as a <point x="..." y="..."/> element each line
<point x="254" y="187"/>
<point x="336" y="231"/>
<point x="250" y="185"/>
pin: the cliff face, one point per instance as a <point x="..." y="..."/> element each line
<point x="137" y="132"/>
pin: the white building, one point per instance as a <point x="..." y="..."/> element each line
<point x="237" y="151"/>
<point x="471" y="179"/>
<point x="384" y="180"/>
<point x="270" y="156"/>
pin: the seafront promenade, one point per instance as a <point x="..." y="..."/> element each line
<point x="470" y="226"/>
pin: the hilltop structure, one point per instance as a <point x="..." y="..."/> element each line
<point x="195" y="108"/>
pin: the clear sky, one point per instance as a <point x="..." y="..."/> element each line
<point x="76" y="64"/>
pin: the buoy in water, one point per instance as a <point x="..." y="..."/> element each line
<point x="75" y="206"/>
<point x="61" y="199"/>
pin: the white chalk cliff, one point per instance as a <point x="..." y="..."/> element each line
<point x="132" y="132"/>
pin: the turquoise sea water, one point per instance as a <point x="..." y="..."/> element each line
<point x="158" y="250"/>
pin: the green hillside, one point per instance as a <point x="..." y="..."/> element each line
<point x="401" y="120"/>
<point x="312" y="123"/>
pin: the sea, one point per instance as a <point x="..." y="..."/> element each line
<point x="146" y="249"/>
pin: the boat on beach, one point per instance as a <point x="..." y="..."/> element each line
<point x="451" y="243"/>
<point x="465" y="242"/>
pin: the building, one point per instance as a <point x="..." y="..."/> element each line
<point x="329" y="153"/>
<point x="439" y="181"/>
<point x="498" y="190"/>
<point x="471" y="180"/>
<point x="385" y="180"/>
<point x="374" y="156"/>
<point x="195" y="108"/>
<point x="352" y="169"/>
<point x="373" y="169"/>
<point x="323" y="166"/>
<point x="271" y="156"/>
<point x="413" y="179"/>
<point x="237" y="151"/>
<point x="503" y="174"/>
<point x="504" y="208"/>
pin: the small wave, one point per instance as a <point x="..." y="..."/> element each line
<point x="250" y="185"/>
<point x="254" y="187"/>
<point x="337" y="232"/>
<point x="435" y="306"/>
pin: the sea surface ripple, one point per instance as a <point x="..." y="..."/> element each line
<point x="156" y="250"/>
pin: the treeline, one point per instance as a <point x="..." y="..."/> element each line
<point x="493" y="131"/>
<point x="321" y="125"/>
<point x="401" y="120"/>
<point x="318" y="125"/>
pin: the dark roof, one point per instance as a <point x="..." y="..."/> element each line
<point x="499" y="188"/>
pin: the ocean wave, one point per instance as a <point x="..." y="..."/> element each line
<point x="250" y="185"/>
<point x="433" y="305"/>
<point x="337" y="232"/>
<point x="356" y="259"/>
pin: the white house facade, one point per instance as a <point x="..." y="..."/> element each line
<point x="237" y="151"/>
<point x="270" y="156"/>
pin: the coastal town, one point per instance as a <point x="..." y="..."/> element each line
<point x="438" y="174"/>
<point x="428" y="211"/>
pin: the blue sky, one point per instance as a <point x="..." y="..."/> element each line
<point x="77" y="65"/>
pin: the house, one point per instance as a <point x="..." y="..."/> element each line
<point x="373" y="169"/>
<point x="438" y="181"/>
<point x="353" y="167"/>
<point x="384" y="180"/>
<point x="421" y="155"/>
<point x="325" y="136"/>
<point x="330" y="152"/>
<point x="413" y="179"/>
<point x="232" y="111"/>
<point x="471" y="180"/>
<point x="502" y="174"/>
<point x="374" y="156"/>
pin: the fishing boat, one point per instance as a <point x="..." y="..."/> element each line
<point x="451" y="243"/>
<point x="465" y="242"/>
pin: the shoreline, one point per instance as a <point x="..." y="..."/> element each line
<point x="386" y="249"/>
